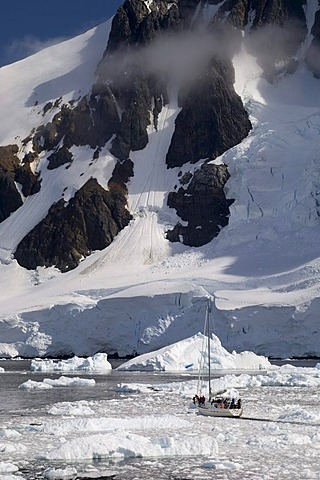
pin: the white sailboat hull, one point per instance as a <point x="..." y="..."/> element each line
<point x="211" y="411"/>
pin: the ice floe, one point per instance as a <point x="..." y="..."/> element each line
<point x="80" y="408"/>
<point x="68" y="473"/>
<point x="98" y="363"/>
<point x="62" y="381"/>
<point x="130" y="445"/>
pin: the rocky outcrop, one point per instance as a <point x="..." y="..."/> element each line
<point x="276" y="29"/>
<point x="140" y="94"/>
<point x="11" y="173"/>
<point x="313" y="53"/>
<point x="10" y="198"/>
<point x="212" y="118"/>
<point x="135" y="119"/>
<point x="91" y="122"/>
<point x="137" y="24"/>
<point x="258" y="13"/>
<point x="30" y="182"/>
<point x="60" y="157"/>
<point x="277" y="12"/>
<point x="70" y="232"/>
<point x="202" y="203"/>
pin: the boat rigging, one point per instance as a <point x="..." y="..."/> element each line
<point x="220" y="403"/>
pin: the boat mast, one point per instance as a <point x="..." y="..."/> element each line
<point x="208" y="334"/>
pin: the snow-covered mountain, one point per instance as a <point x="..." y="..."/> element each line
<point x="164" y="156"/>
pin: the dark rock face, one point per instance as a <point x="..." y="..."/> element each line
<point x="11" y="171"/>
<point x="89" y="222"/>
<point x="134" y="24"/>
<point x="59" y="157"/>
<point x="212" y="118"/>
<point x="277" y="29"/>
<point x="92" y="122"/>
<point x="120" y="177"/>
<point x="313" y="54"/>
<point x="277" y="11"/>
<point x="202" y="204"/>
<point x="30" y="182"/>
<point x="138" y="92"/>
<point x="264" y="12"/>
<point x="10" y="199"/>
<point x="135" y="120"/>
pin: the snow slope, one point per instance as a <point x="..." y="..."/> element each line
<point x="143" y="293"/>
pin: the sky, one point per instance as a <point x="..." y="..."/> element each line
<point x="27" y="27"/>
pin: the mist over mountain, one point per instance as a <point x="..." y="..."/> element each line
<point x="164" y="156"/>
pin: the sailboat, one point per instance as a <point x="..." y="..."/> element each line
<point x="220" y="403"/>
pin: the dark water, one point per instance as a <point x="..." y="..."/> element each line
<point x="18" y="402"/>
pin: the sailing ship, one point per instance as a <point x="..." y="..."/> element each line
<point x="220" y="403"/>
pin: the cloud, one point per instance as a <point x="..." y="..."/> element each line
<point x="277" y="47"/>
<point x="179" y="56"/>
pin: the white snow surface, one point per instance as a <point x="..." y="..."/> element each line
<point x="143" y="293"/>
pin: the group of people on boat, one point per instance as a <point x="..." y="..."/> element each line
<point x="219" y="402"/>
<point x="199" y="400"/>
<point x="226" y="403"/>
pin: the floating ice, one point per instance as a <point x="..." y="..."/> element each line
<point x="123" y="445"/>
<point x="9" y="448"/>
<point x="8" y="468"/>
<point x="9" y="432"/>
<point x="298" y="414"/>
<point x="63" y="381"/>
<point x="218" y="465"/>
<point x="110" y="424"/>
<point x="71" y="408"/>
<point x="60" y="473"/>
<point x="12" y="477"/>
<point x="32" y="385"/>
<point x="124" y="388"/>
<point x="70" y="382"/>
<point x="185" y="356"/>
<point x="98" y="363"/>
